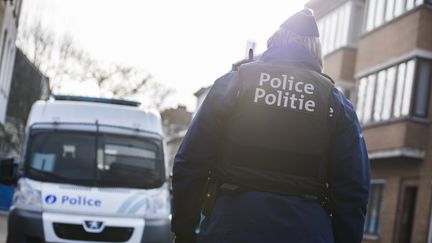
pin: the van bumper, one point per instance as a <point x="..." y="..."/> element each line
<point x="25" y="226"/>
<point x="157" y="231"/>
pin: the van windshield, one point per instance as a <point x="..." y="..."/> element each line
<point x="95" y="159"/>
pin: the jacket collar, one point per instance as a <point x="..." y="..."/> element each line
<point x="291" y="55"/>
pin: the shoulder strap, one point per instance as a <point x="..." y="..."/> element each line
<point x="328" y="77"/>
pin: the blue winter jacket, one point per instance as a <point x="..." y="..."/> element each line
<point x="266" y="217"/>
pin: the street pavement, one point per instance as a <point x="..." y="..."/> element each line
<point x="3" y="226"/>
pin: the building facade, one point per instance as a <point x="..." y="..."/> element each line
<point x="175" y="123"/>
<point x="27" y="86"/>
<point x="379" y="53"/>
<point x="200" y="95"/>
<point x="9" y="16"/>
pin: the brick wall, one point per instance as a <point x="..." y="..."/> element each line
<point x="387" y="42"/>
<point x="424" y="39"/>
<point x="396" y="135"/>
<point x="340" y="64"/>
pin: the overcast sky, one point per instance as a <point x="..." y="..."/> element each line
<point x="185" y="44"/>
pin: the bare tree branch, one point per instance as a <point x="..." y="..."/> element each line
<point x="61" y="60"/>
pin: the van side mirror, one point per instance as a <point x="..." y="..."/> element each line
<point x="8" y="171"/>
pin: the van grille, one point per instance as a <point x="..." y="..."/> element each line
<point x="77" y="232"/>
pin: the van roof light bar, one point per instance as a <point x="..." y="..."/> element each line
<point x="97" y="100"/>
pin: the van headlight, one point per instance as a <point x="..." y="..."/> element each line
<point x="158" y="203"/>
<point x="27" y="197"/>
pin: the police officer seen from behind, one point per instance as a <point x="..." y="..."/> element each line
<point x="275" y="153"/>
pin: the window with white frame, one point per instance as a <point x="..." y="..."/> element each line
<point x="397" y="91"/>
<point x="382" y="11"/>
<point x="372" y="221"/>
<point x="334" y="28"/>
<point x="422" y="89"/>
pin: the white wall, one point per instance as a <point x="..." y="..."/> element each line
<point x="8" y="33"/>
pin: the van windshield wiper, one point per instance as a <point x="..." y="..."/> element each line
<point x="58" y="178"/>
<point x="52" y="175"/>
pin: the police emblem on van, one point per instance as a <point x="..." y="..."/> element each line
<point x="91" y="226"/>
<point x="50" y="199"/>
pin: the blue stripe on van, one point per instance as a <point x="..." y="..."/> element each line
<point x="129" y="201"/>
<point x="138" y="205"/>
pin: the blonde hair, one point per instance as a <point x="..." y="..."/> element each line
<point x="284" y="38"/>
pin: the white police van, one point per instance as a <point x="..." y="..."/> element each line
<point x="91" y="170"/>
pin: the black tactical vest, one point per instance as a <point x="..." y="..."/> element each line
<point x="277" y="138"/>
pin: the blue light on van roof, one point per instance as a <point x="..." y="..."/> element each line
<point x="97" y="100"/>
